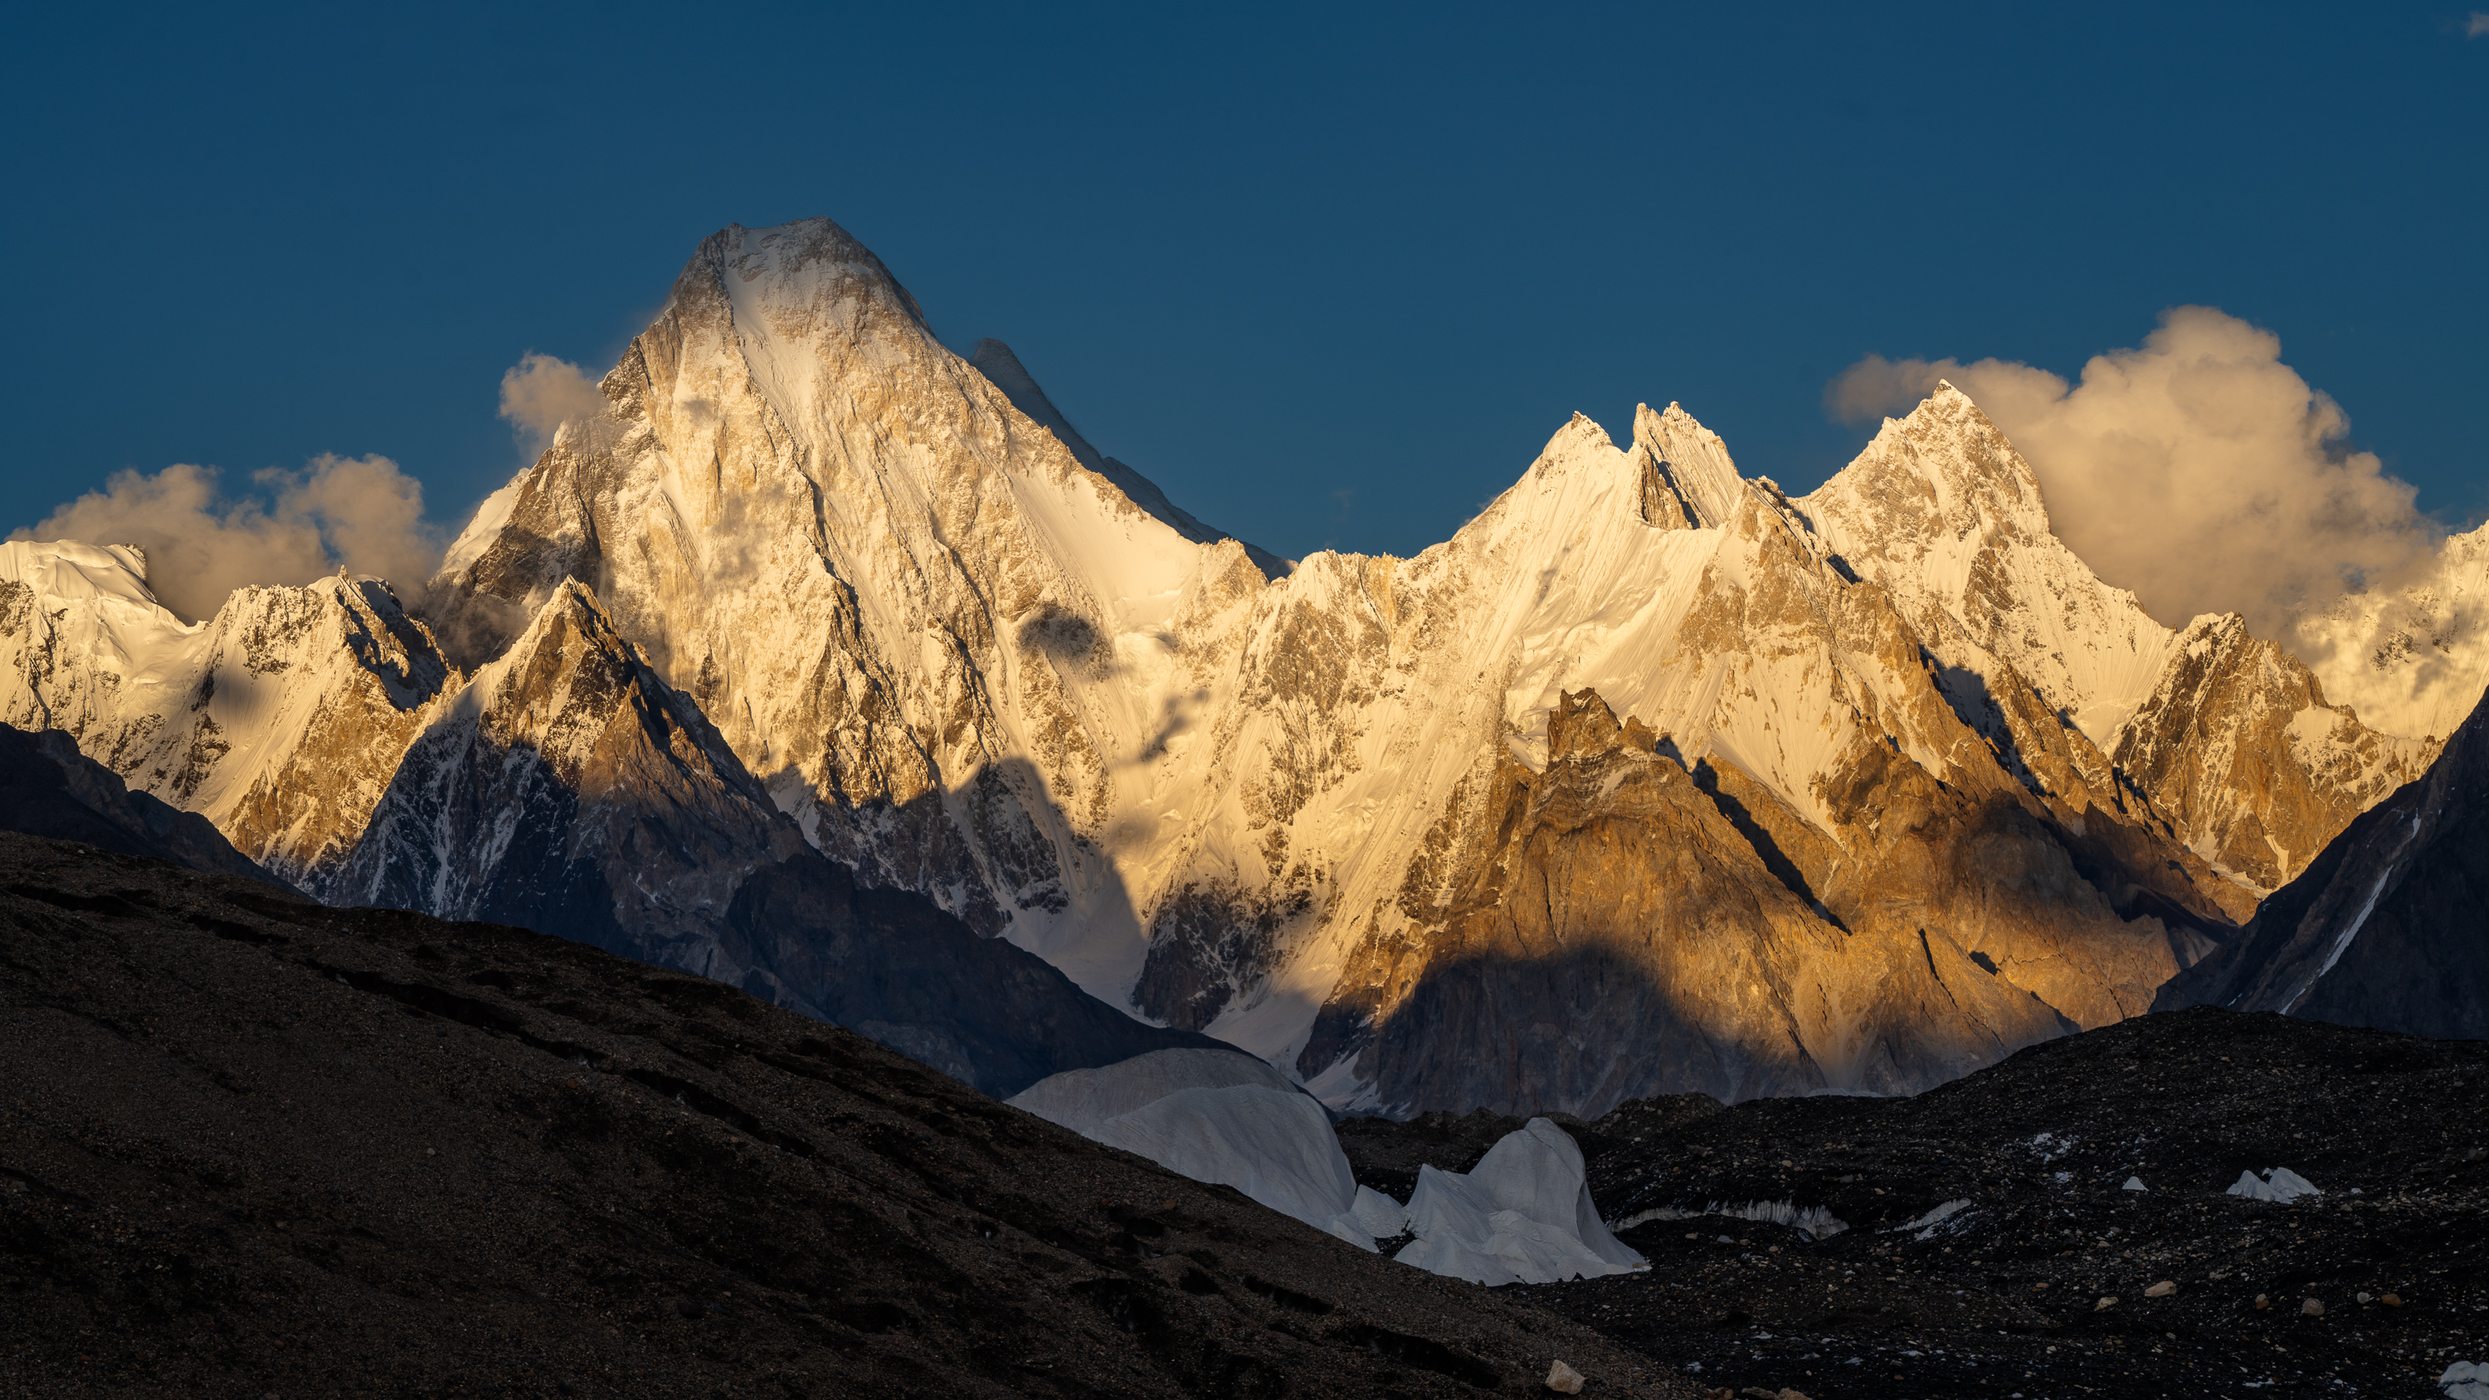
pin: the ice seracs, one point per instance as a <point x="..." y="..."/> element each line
<point x="1523" y="1214"/>
<point x="1224" y="1118"/>
<point x="2278" y="1185"/>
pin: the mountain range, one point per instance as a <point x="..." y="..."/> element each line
<point x="826" y="662"/>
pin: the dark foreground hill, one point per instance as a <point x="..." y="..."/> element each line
<point x="250" y="1146"/>
<point x="48" y="788"/>
<point x="1982" y="1223"/>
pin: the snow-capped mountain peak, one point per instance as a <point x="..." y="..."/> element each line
<point x="812" y="578"/>
<point x="1695" y="485"/>
<point x="276" y="718"/>
<point x="1943" y="511"/>
<point x="998" y="363"/>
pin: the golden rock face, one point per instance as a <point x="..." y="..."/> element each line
<point x="1651" y="777"/>
<point x="2264" y="774"/>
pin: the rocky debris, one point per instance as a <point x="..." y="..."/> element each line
<point x="2465" y="1380"/>
<point x="255" y="1146"/>
<point x="2162" y="1289"/>
<point x="2002" y="1297"/>
<point x="1563" y="1379"/>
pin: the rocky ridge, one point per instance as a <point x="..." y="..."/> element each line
<point x="2225" y="736"/>
<point x="894" y="596"/>
<point x="2387" y="928"/>
<point x="49" y="789"/>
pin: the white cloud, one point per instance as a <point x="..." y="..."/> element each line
<point x="2198" y="469"/>
<point x="2477" y="26"/>
<point x="368" y="512"/>
<point x="359" y="513"/>
<point x="540" y="393"/>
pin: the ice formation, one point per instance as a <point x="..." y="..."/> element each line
<point x="1522" y="1215"/>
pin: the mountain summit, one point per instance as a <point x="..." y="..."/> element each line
<point x="1651" y="776"/>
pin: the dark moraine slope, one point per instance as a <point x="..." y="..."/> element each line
<point x="250" y="1145"/>
<point x="2004" y="1294"/>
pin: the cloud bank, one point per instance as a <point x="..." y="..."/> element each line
<point x="541" y="392"/>
<point x="359" y="513"/>
<point x="2197" y="469"/>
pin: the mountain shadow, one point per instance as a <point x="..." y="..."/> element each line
<point x="570" y="790"/>
<point x="2389" y="927"/>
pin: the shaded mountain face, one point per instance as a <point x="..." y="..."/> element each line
<point x="1616" y="889"/>
<point x="562" y="786"/>
<point x="810" y="582"/>
<point x="2389" y="927"/>
<point x="258" y="1146"/>
<point x="566" y="788"/>
<point x="49" y="789"/>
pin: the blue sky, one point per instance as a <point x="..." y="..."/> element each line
<point x="1330" y="278"/>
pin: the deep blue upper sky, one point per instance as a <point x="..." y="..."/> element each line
<point x="1331" y="278"/>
